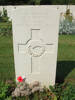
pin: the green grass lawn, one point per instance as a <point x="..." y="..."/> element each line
<point x="6" y="59"/>
<point x="65" y="65"/>
<point x="66" y="50"/>
<point x="66" y="58"/>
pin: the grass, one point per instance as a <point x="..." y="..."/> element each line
<point x="5" y="28"/>
<point x="6" y="59"/>
<point x="65" y="65"/>
<point x="66" y="50"/>
<point x="66" y="58"/>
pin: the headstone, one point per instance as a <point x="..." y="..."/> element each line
<point x="35" y="39"/>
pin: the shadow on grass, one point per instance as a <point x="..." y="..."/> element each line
<point x="64" y="69"/>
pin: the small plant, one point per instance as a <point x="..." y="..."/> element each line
<point x="5" y="29"/>
<point x="68" y="15"/>
<point x="4" y="16"/>
<point x="37" y="2"/>
<point x="69" y="92"/>
<point x="9" y="98"/>
<point x="3" y="91"/>
<point x="5" y="24"/>
<point x="65" y="91"/>
<point x="6" y="90"/>
<point x="57" y="89"/>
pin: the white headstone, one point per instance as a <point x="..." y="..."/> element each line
<point x="35" y="38"/>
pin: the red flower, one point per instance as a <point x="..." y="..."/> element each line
<point x="20" y="79"/>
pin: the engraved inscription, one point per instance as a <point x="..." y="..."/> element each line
<point x="36" y="51"/>
<point x="35" y="47"/>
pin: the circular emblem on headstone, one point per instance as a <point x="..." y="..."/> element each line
<point x="36" y="49"/>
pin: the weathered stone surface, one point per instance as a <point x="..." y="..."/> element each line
<point x="34" y="84"/>
<point x="35" y="38"/>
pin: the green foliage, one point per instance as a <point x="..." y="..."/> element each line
<point x="3" y="16"/>
<point x="68" y="93"/>
<point x="9" y="98"/>
<point x="68" y="15"/>
<point x="58" y="2"/>
<point x="4" y="12"/>
<point x="0" y="16"/>
<point x="33" y="2"/>
<point x="46" y="2"/>
<point x="37" y="2"/>
<point x="6" y="29"/>
<point x="5" y="24"/>
<point x="45" y="95"/>
<point x="65" y="91"/>
<point x="57" y="89"/>
<point x="4" y="91"/>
